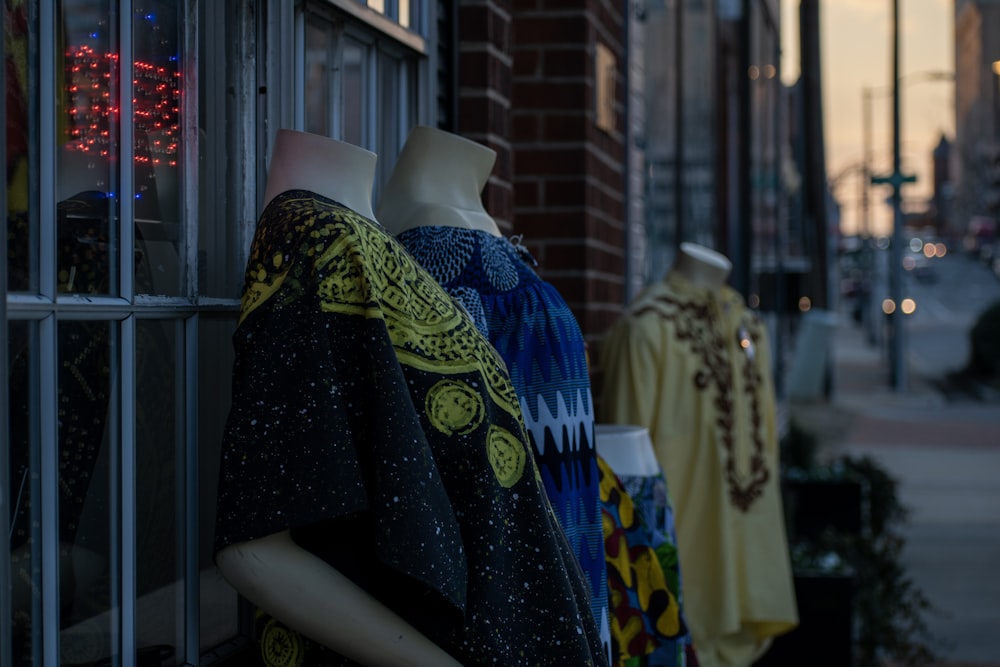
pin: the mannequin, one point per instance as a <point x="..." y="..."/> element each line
<point x="341" y="171"/>
<point x="689" y="361"/>
<point x="274" y="572"/>
<point x="639" y="534"/>
<point x="626" y="449"/>
<point x="374" y="455"/>
<point x="432" y="203"/>
<point x="445" y="192"/>
<point x="702" y="266"/>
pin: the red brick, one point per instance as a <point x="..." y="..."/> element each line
<point x="562" y="96"/>
<point x="565" y="126"/>
<point x="549" y="161"/>
<point x="526" y="63"/>
<point x="565" y="62"/>
<point x="542" y="225"/>
<point x="525" y="127"/>
<point x="565" y="256"/>
<point x="547" y="29"/>
<point x="565" y="192"/>
<point x="526" y="194"/>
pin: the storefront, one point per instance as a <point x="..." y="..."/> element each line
<point x="137" y="138"/>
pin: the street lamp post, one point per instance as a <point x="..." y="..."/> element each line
<point x="896" y="332"/>
<point x="896" y="179"/>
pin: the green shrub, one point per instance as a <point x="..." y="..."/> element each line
<point x="984" y="344"/>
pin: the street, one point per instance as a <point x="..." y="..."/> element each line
<point x="943" y="448"/>
<point x="951" y="295"/>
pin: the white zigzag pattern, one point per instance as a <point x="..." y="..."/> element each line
<point x="581" y="414"/>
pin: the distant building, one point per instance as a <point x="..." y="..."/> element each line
<point x="944" y="190"/>
<point x="977" y="109"/>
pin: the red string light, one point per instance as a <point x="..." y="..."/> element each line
<point x="155" y="105"/>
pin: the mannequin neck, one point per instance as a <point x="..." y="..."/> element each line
<point x="627" y="449"/>
<point x="438" y="180"/>
<point x="334" y="169"/>
<point x="702" y="266"/>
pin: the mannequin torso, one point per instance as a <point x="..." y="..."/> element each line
<point x="437" y="181"/>
<point x="341" y="171"/>
<point x="274" y="572"/>
<point x="691" y="362"/>
<point x="626" y="449"/>
<point x="702" y="266"/>
<point x="374" y="454"/>
<point x="432" y="204"/>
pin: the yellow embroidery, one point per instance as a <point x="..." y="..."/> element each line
<point x="454" y="407"/>
<point x="507" y="456"/>
<point x="280" y="646"/>
<point x="357" y="269"/>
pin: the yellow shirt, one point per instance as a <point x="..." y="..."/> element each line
<point x="693" y="366"/>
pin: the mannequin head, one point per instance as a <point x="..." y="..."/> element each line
<point x="701" y="266"/>
<point x="340" y="171"/>
<point x="438" y="180"/>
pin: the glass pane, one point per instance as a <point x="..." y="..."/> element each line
<point x="404" y="13"/>
<point x="24" y="493"/>
<point x="221" y="259"/>
<point x="87" y="568"/>
<point x="159" y="460"/>
<point x="219" y="618"/>
<point x="389" y="94"/>
<point x="22" y="270"/>
<point x="317" y="78"/>
<point x="87" y="138"/>
<point x="156" y="77"/>
<point x="353" y="91"/>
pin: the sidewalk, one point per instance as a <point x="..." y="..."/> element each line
<point x="946" y="458"/>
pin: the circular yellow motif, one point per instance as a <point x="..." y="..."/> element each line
<point x="454" y="407"/>
<point x="280" y="646"/>
<point x="506" y="455"/>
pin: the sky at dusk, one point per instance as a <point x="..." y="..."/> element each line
<point x="856" y="50"/>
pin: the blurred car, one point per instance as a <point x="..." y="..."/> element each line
<point x="919" y="265"/>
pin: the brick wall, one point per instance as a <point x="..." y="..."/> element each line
<point x="484" y="94"/>
<point x="568" y="177"/>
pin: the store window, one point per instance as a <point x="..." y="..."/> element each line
<point x="135" y="149"/>
<point x="105" y="330"/>
<point x="358" y="86"/>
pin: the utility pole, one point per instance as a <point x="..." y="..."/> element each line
<point x="897" y="332"/>
<point x="866" y="156"/>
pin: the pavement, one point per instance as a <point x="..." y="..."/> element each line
<point x="943" y="450"/>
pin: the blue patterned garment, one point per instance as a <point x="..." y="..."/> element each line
<point x="538" y="337"/>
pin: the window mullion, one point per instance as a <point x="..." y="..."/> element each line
<point x="48" y="474"/>
<point x="48" y="456"/>
<point x="190" y="146"/>
<point x="336" y="57"/>
<point x="191" y="515"/>
<point x="6" y="654"/>
<point x="371" y="115"/>
<point x="125" y="545"/>
<point x="126" y="150"/>
<point x="299" y="71"/>
<point x="45" y="194"/>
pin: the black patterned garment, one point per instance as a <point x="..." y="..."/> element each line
<point x="536" y="334"/>
<point x="372" y="419"/>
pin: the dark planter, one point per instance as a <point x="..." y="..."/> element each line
<point x="825" y="634"/>
<point x="813" y="506"/>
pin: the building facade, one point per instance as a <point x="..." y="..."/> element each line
<point x="976" y="151"/>
<point x="138" y="136"/>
